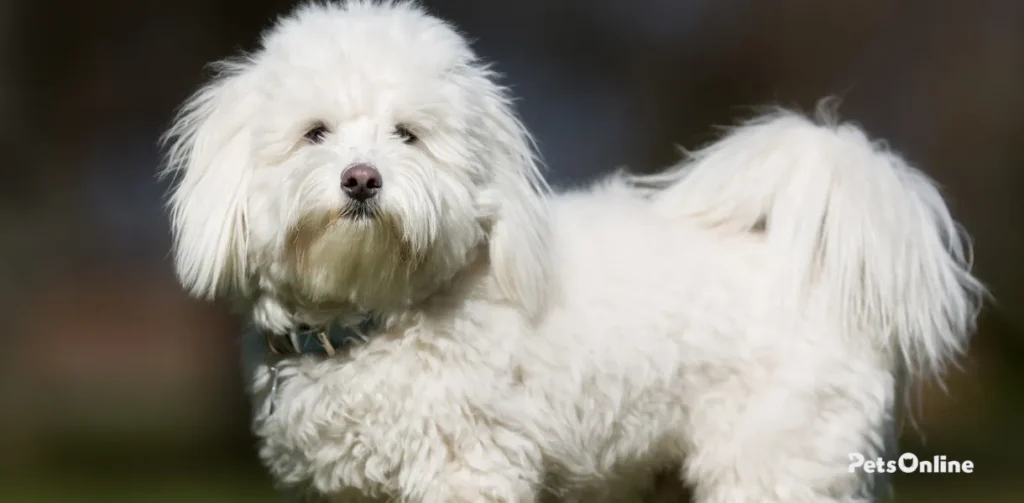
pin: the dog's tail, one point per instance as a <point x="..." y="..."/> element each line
<point x="846" y="222"/>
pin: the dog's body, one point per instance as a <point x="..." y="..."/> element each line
<point x="744" y="314"/>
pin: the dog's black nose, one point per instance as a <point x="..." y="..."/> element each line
<point x="361" y="182"/>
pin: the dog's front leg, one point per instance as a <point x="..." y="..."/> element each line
<point x="457" y="456"/>
<point x="403" y="441"/>
<point x="459" y="482"/>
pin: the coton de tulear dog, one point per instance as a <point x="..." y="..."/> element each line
<point x="743" y="315"/>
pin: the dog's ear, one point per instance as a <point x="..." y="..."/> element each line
<point x="209" y="158"/>
<point x="519" y="232"/>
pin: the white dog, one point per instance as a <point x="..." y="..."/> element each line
<point x="743" y="315"/>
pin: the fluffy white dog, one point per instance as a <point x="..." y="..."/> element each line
<point x="743" y="315"/>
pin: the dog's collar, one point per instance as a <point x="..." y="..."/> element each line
<point x="321" y="340"/>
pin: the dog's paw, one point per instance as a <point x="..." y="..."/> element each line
<point x="472" y="486"/>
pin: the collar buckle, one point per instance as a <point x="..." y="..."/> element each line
<point x="323" y="341"/>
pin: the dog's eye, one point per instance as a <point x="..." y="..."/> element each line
<point x="316" y="133"/>
<point x="403" y="133"/>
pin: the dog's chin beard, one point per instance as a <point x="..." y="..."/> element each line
<point x="355" y="232"/>
<point x="355" y="254"/>
<point x="360" y="210"/>
<point x="370" y="256"/>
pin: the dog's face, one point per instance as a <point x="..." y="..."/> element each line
<point x="362" y="155"/>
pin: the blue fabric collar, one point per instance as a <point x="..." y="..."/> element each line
<point x="319" y="341"/>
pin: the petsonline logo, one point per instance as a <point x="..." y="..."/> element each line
<point x="909" y="463"/>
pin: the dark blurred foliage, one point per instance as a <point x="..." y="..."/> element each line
<point x="115" y="387"/>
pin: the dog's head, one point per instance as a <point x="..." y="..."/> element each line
<point x="363" y="154"/>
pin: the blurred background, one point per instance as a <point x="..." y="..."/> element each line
<point x="116" y="387"/>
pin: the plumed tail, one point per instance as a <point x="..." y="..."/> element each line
<point x="846" y="222"/>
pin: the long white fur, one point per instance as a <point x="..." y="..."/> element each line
<point x="743" y="315"/>
<point x="843" y="211"/>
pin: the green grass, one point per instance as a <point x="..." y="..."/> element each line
<point x="133" y="490"/>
